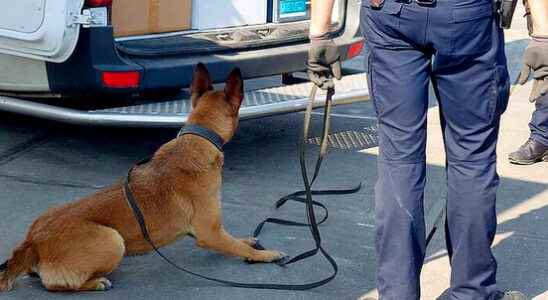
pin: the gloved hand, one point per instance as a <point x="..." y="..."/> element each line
<point x="535" y="61"/>
<point x="324" y="61"/>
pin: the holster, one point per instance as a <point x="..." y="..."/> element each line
<point x="505" y="10"/>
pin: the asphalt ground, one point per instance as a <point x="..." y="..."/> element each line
<point x="44" y="164"/>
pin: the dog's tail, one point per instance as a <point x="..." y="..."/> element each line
<point x="22" y="260"/>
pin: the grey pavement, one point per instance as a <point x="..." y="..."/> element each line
<point x="261" y="166"/>
<point x="44" y="164"/>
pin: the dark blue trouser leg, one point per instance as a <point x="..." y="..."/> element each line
<point x="473" y="92"/>
<point x="400" y="226"/>
<point x="399" y="81"/>
<point x="539" y="121"/>
<point x="458" y="45"/>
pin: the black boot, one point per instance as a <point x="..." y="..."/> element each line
<point x="529" y="153"/>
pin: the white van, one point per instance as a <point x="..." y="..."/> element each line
<point x="67" y="49"/>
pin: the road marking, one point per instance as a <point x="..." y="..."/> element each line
<point x="366" y="225"/>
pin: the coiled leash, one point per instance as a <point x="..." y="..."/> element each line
<point x="304" y="196"/>
<point x="308" y="192"/>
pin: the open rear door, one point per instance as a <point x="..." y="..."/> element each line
<point x="41" y="29"/>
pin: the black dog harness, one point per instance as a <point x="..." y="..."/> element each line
<point x="304" y="196"/>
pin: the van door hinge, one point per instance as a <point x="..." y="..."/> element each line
<point x="91" y="17"/>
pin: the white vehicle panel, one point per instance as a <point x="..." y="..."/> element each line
<point x="40" y="29"/>
<point x="33" y="12"/>
<point x="28" y="75"/>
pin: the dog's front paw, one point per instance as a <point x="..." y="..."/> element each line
<point x="267" y="256"/>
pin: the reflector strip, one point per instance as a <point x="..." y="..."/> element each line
<point x="355" y="49"/>
<point x="121" y="79"/>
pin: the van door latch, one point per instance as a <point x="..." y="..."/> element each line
<point x="92" y="17"/>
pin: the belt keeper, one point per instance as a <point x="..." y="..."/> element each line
<point x="426" y="2"/>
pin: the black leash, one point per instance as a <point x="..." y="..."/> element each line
<point x="297" y="196"/>
<point x="308" y="192"/>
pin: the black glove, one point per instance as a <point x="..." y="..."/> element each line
<point x="324" y="61"/>
<point x="535" y="61"/>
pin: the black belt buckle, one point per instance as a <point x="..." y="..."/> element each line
<point x="426" y="2"/>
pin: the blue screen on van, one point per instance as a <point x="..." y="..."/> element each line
<point x="292" y="7"/>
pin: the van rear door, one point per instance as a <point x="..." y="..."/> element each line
<point x="41" y="29"/>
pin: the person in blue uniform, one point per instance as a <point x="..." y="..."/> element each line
<point x="535" y="63"/>
<point x="458" y="47"/>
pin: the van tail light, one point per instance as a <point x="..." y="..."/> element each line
<point x="121" y="80"/>
<point x="98" y="3"/>
<point x="354" y="49"/>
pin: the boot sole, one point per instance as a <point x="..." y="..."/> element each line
<point x="543" y="157"/>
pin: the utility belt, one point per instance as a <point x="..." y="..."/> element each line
<point x="504" y="8"/>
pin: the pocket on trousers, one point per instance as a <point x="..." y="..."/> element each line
<point x="501" y="87"/>
<point x="381" y="25"/>
<point x="472" y="29"/>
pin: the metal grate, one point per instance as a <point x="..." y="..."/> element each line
<point x="350" y="140"/>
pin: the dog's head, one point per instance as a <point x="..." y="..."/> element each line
<point x="216" y="110"/>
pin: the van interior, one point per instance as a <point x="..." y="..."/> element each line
<point x="186" y="27"/>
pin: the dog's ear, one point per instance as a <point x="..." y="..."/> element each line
<point x="234" y="88"/>
<point x="201" y="83"/>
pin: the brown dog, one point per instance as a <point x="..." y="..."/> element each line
<point x="72" y="247"/>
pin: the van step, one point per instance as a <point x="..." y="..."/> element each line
<point x="174" y="112"/>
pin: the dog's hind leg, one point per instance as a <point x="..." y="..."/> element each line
<point x="79" y="260"/>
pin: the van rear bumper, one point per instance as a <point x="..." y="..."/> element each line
<point x="168" y="72"/>
<point x="82" y="74"/>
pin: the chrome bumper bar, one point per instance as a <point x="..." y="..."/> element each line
<point x="174" y="112"/>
